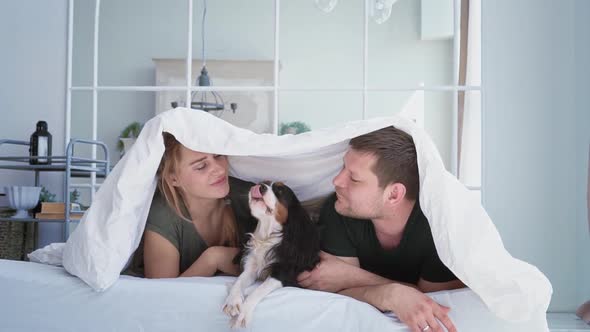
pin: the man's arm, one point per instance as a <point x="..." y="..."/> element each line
<point x="428" y="286"/>
<point x="334" y="274"/>
<point x="418" y="311"/>
<point x="415" y="309"/>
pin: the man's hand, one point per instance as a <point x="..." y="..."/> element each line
<point x="330" y="275"/>
<point x="416" y="310"/>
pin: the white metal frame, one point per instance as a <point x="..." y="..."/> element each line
<point x="275" y="88"/>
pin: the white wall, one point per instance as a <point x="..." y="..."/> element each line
<point x="135" y="31"/>
<point x="582" y="62"/>
<point x="533" y="128"/>
<point x="32" y="84"/>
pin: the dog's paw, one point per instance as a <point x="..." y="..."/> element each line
<point x="243" y="319"/>
<point x="233" y="304"/>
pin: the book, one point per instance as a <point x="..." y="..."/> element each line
<point x="58" y="207"/>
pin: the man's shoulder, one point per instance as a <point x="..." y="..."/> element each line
<point x="418" y="219"/>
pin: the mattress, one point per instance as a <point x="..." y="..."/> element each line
<point x="38" y="297"/>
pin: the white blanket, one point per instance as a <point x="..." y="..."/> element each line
<point x="465" y="237"/>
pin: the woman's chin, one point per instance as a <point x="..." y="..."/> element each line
<point x="220" y="191"/>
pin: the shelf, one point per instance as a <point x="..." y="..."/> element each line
<point x="71" y="165"/>
<point x="58" y="221"/>
<point x="79" y="166"/>
<point x="76" y="171"/>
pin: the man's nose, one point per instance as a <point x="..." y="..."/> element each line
<point x="338" y="181"/>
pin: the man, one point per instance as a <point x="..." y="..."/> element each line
<point x="377" y="244"/>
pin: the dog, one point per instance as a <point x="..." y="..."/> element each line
<point x="284" y="244"/>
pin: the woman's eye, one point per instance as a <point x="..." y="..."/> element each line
<point x="217" y="156"/>
<point x="200" y="167"/>
<point x="354" y="180"/>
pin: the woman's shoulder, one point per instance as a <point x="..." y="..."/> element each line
<point x="161" y="214"/>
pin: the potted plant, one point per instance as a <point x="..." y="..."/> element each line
<point x="294" y="128"/>
<point x="44" y="196"/>
<point x="128" y="136"/>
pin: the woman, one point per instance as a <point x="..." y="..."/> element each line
<point x="198" y="217"/>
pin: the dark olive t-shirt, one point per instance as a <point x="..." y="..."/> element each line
<point x="182" y="233"/>
<point x="415" y="257"/>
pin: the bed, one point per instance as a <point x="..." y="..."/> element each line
<point x="38" y="297"/>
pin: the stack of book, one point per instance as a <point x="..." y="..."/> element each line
<point x="56" y="210"/>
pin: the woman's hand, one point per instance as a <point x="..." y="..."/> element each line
<point x="214" y="259"/>
<point x="223" y="258"/>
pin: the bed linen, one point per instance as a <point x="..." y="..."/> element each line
<point x="39" y="297"/>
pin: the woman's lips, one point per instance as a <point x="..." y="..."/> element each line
<point x="219" y="181"/>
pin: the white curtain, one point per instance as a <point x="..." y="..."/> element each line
<point x="470" y="139"/>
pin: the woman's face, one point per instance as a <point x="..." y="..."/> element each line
<point x="201" y="175"/>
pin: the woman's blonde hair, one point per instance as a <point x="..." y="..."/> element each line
<point x="174" y="196"/>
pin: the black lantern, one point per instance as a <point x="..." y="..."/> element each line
<point x="40" y="145"/>
<point x="206" y="100"/>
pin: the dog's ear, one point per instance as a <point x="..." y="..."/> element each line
<point x="286" y="199"/>
<point x="297" y="213"/>
<point x="299" y="226"/>
<point x="299" y="246"/>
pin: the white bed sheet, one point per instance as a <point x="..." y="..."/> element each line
<point x="38" y="297"/>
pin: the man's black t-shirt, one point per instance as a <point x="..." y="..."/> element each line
<point x="415" y="257"/>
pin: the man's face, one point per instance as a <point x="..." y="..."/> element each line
<point x="357" y="187"/>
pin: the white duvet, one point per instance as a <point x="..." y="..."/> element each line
<point x="465" y="237"/>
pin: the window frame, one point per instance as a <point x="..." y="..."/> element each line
<point x="276" y="88"/>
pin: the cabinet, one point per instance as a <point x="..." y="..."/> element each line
<point x="70" y="164"/>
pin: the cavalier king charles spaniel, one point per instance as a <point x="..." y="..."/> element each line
<point x="284" y="244"/>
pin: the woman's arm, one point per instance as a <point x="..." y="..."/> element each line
<point x="212" y="260"/>
<point x="160" y="257"/>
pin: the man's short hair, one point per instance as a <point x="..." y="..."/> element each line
<point x="395" y="154"/>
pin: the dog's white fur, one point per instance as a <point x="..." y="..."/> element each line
<point x="264" y="238"/>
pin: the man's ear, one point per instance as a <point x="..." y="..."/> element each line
<point x="394" y="193"/>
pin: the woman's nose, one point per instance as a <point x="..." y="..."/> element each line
<point x="219" y="166"/>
